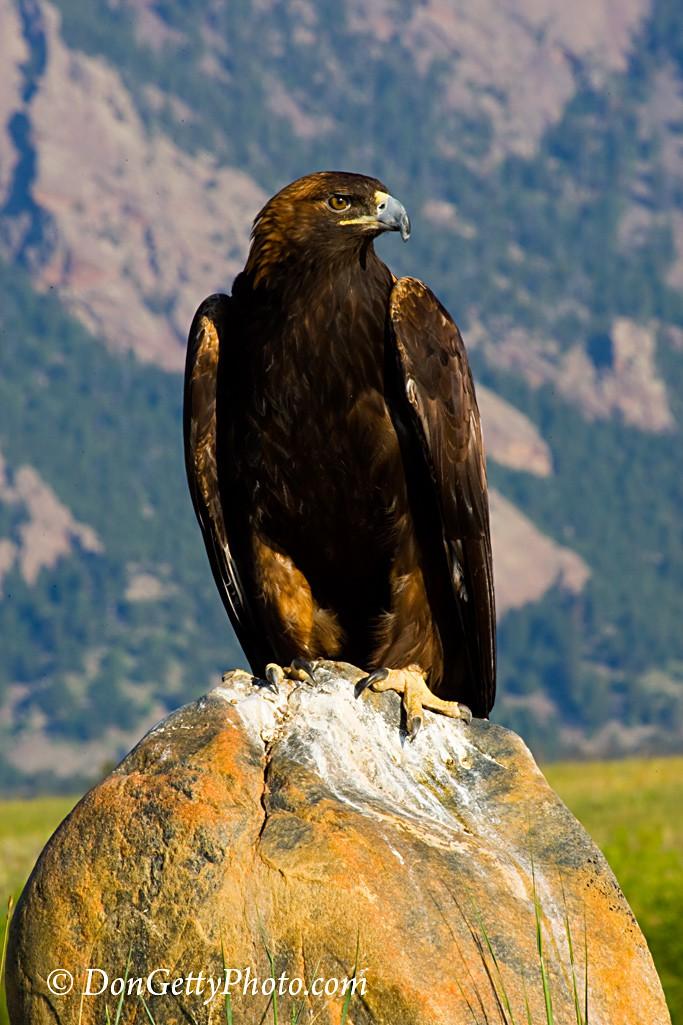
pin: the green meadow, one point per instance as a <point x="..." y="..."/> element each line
<point x="633" y="809"/>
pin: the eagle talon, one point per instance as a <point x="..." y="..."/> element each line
<point x="304" y="667"/>
<point x="300" y="671"/>
<point x="375" y="677"/>
<point x="274" y="677"/>
<point x="466" y="713"/>
<point x="411" y="684"/>
<point x="414" y="727"/>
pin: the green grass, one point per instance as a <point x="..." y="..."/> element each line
<point x="631" y="808"/>
<point x="503" y="1013"/>
<point x="24" y="828"/>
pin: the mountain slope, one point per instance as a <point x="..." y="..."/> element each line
<point x="538" y="150"/>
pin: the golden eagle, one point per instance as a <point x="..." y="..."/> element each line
<point x="334" y="455"/>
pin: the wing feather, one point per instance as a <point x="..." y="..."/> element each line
<point x="441" y="411"/>
<point x="211" y="330"/>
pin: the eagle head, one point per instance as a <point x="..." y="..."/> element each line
<point x="326" y="214"/>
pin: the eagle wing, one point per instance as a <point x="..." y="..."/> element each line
<point x="437" y="419"/>
<point x="211" y="329"/>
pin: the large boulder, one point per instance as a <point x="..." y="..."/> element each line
<point x="302" y="833"/>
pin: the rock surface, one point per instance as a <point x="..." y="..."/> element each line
<point x="297" y="826"/>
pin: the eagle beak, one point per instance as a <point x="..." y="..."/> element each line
<point x="392" y="215"/>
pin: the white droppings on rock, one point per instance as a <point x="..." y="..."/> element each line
<point x="365" y="760"/>
<point x="259" y="708"/>
<point x="397" y="854"/>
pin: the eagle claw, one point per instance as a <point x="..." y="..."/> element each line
<point x="374" y="677"/>
<point x="414" y="727"/>
<point x="303" y="667"/>
<point x="411" y="684"/>
<point x="274" y="676"/>
<point x="299" y="671"/>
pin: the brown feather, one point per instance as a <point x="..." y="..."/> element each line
<point x="199" y="428"/>
<point x="435" y="377"/>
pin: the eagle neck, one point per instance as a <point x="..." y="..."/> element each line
<point x="334" y="281"/>
<point x="323" y="321"/>
<point x="305" y="276"/>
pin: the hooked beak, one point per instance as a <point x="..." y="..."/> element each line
<point x="392" y="215"/>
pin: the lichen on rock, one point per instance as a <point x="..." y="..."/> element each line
<point x="304" y="826"/>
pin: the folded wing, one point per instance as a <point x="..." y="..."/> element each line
<point x="210" y="332"/>
<point x="436" y="414"/>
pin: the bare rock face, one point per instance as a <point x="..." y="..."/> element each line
<point x="299" y="835"/>
<point x="528" y="562"/>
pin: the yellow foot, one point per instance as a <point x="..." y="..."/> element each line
<point x="410" y="683"/>
<point x="299" y="671"/>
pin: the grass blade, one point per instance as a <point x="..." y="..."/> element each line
<point x="228" y="997"/>
<point x="500" y="987"/>
<point x="349" y="992"/>
<point x="550" y="1018"/>
<point x="5" y="939"/>
<point x="585" y="961"/>
<point x="147" y="1011"/>
<point x="464" y="960"/>
<point x="271" y="961"/>
<point x="81" y="1002"/>
<point x="496" y="996"/>
<point x="119" y="1008"/>
<point x="572" y="963"/>
<point x="529" y="1020"/>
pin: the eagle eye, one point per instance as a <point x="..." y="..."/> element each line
<point x="338" y="202"/>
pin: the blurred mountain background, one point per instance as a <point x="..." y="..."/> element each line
<point x="538" y="148"/>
